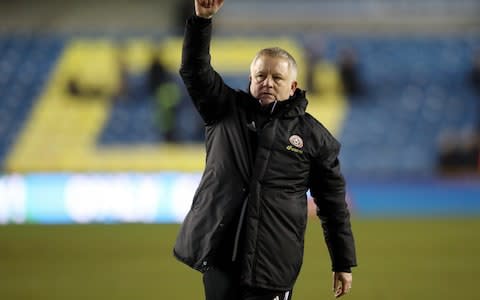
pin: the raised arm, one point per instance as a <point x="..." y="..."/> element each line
<point x="206" y="88"/>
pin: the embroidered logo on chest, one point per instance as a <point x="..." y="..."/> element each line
<point x="296" y="141"/>
<point x="296" y="144"/>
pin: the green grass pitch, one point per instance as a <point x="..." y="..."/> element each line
<point x="407" y="259"/>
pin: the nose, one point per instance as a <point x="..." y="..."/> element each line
<point x="268" y="82"/>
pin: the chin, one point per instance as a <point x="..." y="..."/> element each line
<point x="266" y="100"/>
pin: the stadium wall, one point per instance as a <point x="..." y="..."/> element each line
<point x="166" y="197"/>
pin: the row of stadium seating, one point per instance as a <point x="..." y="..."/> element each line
<point x="416" y="88"/>
<point x="25" y="64"/>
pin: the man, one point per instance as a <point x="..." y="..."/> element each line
<point x="245" y="230"/>
<point x="348" y="69"/>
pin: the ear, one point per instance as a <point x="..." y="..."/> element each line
<point x="293" y="87"/>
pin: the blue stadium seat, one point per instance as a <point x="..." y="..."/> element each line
<point x="23" y="73"/>
<point x="416" y="90"/>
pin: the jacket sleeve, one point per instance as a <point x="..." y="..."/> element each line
<point x="207" y="90"/>
<point x="327" y="187"/>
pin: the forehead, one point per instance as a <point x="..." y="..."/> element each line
<point x="264" y="63"/>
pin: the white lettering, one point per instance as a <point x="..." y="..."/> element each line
<point x="183" y="191"/>
<point x="112" y="198"/>
<point x="12" y="199"/>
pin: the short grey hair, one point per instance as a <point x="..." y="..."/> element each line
<point x="278" y="52"/>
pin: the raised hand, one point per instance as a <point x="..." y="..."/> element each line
<point x="207" y="8"/>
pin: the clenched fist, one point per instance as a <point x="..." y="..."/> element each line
<point x="207" y="8"/>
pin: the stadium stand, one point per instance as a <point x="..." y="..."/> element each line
<point x="26" y="61"/>
<point x="416" y="90"/>
<point x="416" y="87"/>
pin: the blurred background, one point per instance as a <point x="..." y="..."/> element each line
<point x="101" y="149"/>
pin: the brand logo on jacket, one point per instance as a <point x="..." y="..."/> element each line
<point x="296" y="144"/>
<point x="296" y="141"/>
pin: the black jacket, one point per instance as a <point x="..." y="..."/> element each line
<point x="251" y="203"/>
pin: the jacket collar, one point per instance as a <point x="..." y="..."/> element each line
<point x="290" y="108"/>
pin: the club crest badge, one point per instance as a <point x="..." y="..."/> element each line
<point x="296" y="141"/>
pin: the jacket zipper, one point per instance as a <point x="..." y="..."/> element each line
<point x="239" y="229"/>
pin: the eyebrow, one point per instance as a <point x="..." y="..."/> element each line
<point x="274" y="74"/>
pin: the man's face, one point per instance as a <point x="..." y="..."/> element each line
<point x="271" y="79"/>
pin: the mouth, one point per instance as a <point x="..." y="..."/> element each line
<point x="268" y="95"/>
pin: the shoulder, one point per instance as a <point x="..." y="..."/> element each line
<point x="320" y="133"/>
<point x="316" y="126"/>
